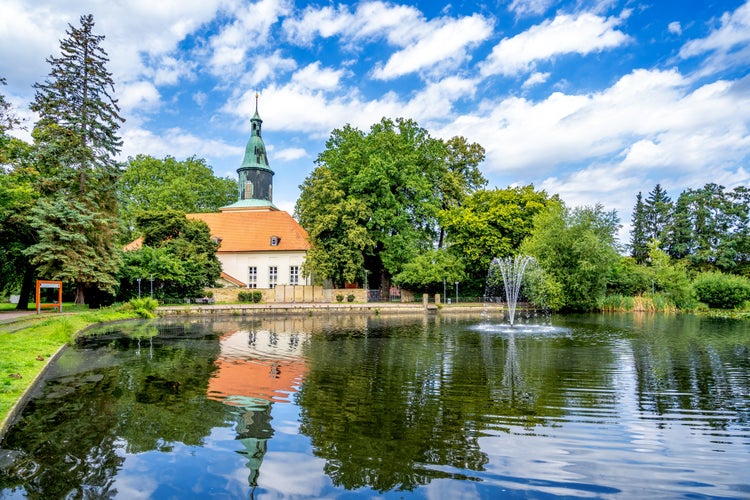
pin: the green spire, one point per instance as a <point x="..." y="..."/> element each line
<point x="255" y="151"/>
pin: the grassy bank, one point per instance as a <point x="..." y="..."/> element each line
<point x="27" y="344"/>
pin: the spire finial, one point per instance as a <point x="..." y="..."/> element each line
<point x="256" y="101"/>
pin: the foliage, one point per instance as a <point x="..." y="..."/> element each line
<point x="155" y="184"/>
<point x="339" y="298"/>
<point x="492" y="223"/>
<point x="428" y="270"/>
<point x="722" y="291"/>
<point x="350" y="298"/>
<point x="671" y="278"/>
<point x="254" y="296"/>
<point x="629" y="278"/>
<point x="576" y="249"/>
<point x="658" y="215"/>
<point x="177" y="253"/>
<point x="638" y="238"/>
<point x="650" y="302"/>
<point x="371" y="204"/>
<point x="76" y="142"/>
<point x="143" y="307"/>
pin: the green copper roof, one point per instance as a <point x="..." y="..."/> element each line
<point x="251" y="203"/>
<point x="255" y="151"/>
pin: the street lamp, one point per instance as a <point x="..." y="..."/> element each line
<point x="445" y="299"/>
<point x="139" y="287"/>
<point x="152" y="286"/>
<point x="456" y="292"/>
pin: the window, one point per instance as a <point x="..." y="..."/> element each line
<point x="252" y="281"/>
<point x="275" y="241"/>
<point x="294" y="275"/>
<point x="273" y="275"/>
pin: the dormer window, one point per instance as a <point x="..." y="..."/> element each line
<point x="275" y="241"/>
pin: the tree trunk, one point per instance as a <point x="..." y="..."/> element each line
<point x="27" y="288"/>
<point x="80" y="296"/>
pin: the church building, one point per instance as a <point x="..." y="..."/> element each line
<point x="260" y="245"/>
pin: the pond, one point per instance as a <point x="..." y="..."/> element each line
<point x="585" y="406"/>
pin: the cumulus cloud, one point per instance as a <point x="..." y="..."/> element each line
<point x="565" y="34"/>
<point x="675" y="28"/>
<point x="314" y="77"/>
<point x="174" y="141"/>
<point x="446" y="42"/>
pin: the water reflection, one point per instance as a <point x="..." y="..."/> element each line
<point x="409" y="406"/>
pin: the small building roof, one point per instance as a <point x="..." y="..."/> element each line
<point x="252" y="231"/>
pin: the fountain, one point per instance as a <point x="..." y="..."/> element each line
<point x="511" y="271"/>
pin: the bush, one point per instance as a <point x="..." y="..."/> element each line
<point x="144" y="307"/>
<point x="244" y="297"/>
<point x="350" y="298"/>
<point x="339" y="298"/>
<point x="257" y="296"/>
<point x="722" y="291"/>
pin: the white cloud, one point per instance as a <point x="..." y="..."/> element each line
<point x="249" y="30"/>
<point x="446" y="42"/>
<point x="565" y="34"/>
<point x="174" y="141"/>
<point x="267" y="67"/>
<point x="535" y="79"/>
<point x="530" y="7"/>
<point x="289" y="154"/>
<point x="399" y="24"/>
<point x="727" y="46"/>
<point x="675" y="28"/>
<point x="138" y="95"/>
<point x="314" y="78"/>
<point x="734" y="30"/>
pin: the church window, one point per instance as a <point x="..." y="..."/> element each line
<point x="248" y="190"/>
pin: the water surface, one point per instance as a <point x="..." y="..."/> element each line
<point x="589" y="406"/>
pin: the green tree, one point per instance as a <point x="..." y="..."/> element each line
<point x="189" y="185"/>
<point x="491" y="223"/>
<point x="371" y="204"/>
<point x="577" y="251"/>
<point x="680" y="234"/>
<point x="76" y="141"/>
<point x="177" y="253"/>
<point x="658" y="215"/>
<point x="638" y="237"/>
<point x="428" y="271"/>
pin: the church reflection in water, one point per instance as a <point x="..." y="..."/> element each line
<point x="263" y="363"/>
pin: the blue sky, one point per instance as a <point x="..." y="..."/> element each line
<point x="592" y="100"/>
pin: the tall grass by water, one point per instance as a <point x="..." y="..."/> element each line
<point x="653" y="303"/>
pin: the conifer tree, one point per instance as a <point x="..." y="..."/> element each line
<point x="76" y="140"/>
<point x="658" y="208"/>
<point x="638" y="239"/>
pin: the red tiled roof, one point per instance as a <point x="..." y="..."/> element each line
<point x="251" y="231"/>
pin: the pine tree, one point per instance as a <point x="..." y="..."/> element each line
<point x="680" y="232"/>
<point x="638" y="239"/>
<point x="658" y="208"/>
<point x="76" y="140"/>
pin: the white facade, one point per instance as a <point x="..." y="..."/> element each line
<point x="238" y="265"/>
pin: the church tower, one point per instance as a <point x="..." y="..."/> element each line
<point x="255" y="175"/>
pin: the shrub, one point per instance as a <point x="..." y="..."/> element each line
<point x="722" y="291"/>
<point x="257" y="296"/>
<point x="339" y="298"/>
<point x="350" y="298"/>
<point x="144" y="307"/>
<point x="244" y="296"/>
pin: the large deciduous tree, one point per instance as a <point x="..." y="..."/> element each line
<point x="189" y="185"/>
<point x="371" y="204"/>
<point x="577" y="251"/>
<point x="77" y="142"/>
<point x="491" y="223"/>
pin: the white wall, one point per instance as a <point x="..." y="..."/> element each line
<point x="236" y="264"/>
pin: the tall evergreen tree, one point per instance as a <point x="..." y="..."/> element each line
<point x="638" y="239"/>
<point x="76" y="139"/>
<point x="658" y="212"/>
<point x="681" y="229"/>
